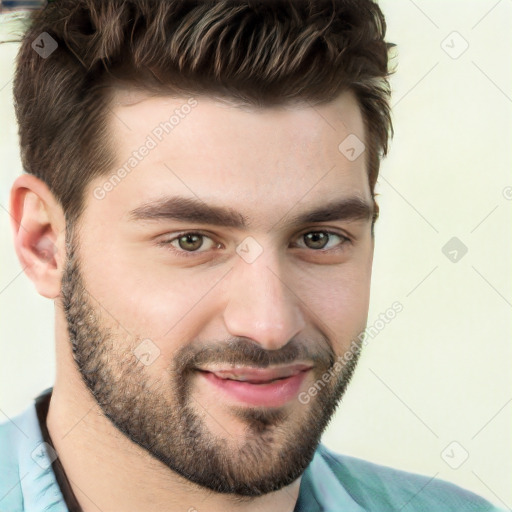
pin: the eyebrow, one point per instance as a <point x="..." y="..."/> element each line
<point x="187" y="209"/>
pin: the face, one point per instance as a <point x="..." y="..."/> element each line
<point x="219" y="278"/>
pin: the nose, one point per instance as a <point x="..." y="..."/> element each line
<point x="261" y="305"/>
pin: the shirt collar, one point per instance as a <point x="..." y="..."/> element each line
<point x="321" y="490"/>
<point x="40" y="490"/>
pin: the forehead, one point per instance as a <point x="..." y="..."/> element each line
<point x="259" y="160"/>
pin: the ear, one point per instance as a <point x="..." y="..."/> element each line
<point x="39" y="227"/>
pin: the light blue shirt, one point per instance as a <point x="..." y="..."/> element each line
<point x="331" y="482"/>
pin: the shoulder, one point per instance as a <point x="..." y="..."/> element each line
<point x="12" y="442"/>
<point x="27" y="481"/>
<point x="376" y="487"/>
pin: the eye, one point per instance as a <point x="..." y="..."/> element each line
<point x="190" y="242"/>
<point x="322" y="240"/>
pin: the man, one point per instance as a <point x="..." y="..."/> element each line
<point x="199" y="201"/>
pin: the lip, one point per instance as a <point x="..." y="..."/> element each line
<point x="262" y="390"/>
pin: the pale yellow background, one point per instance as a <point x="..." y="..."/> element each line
<point x="440" y="371"/>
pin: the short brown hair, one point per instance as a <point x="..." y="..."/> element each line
<point x="259" y="53"/>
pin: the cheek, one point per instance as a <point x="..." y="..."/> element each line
<point x="166" y="308"/>
<point x="339" y="302"/>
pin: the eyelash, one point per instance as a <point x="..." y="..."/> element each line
<point x="190" y="254"/>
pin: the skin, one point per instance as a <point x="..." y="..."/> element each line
<point x="122" y="428"/>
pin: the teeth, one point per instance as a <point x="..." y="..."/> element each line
<point x="234" y="377"/>
<point x="242" y="378"/>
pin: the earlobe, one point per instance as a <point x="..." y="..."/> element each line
<point x="39" y="233"/>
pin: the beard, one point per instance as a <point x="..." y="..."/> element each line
<point x="161" y="415"/>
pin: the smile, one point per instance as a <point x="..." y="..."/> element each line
<point x="257" y="387"/>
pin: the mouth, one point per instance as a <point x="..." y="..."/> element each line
<point x="271" y="387"/>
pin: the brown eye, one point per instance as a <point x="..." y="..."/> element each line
<point x="316" y="240"/>
<point x="321" y="240"/>
<point x="190" y="242"/>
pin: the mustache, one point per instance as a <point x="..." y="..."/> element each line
<point x="246" y="352"/>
